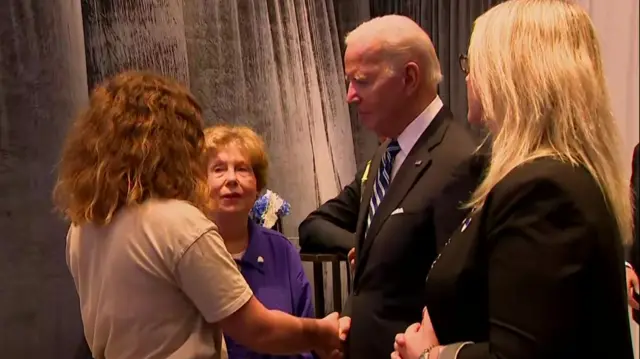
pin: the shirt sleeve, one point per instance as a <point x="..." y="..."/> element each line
<point x="210" y="278"/>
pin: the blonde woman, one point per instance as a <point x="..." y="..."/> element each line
<point x="153" y="276"/>
<point x="537" y="269"/>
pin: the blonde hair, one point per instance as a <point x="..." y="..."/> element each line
<point x="400" y="40"/>
<point x="140" y="138"/>
<point x="536" y="67"/>
<point x="247" y="140"/>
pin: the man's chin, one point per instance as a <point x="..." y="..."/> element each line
<point x="368" y="122"/>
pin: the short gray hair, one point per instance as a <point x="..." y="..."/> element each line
<point x="400" y="39"/>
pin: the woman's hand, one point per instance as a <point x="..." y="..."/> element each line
<point x="416" y="339"/>
<point x="633" y="286"/>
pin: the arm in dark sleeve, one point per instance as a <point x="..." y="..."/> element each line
<point x="331" y="228"/>
<point x="537" y="246"/>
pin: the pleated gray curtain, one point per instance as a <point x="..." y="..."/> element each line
<point x="43" y="82"/>
<point x="273" y="65"/>
<point x="134" y="35"/>
<point x="277" y="67"/>
<point x="350" y="14"/>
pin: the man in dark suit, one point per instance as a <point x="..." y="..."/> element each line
<point x="405" y="204"/>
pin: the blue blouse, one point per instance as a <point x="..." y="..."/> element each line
<point x="271" y="265"/>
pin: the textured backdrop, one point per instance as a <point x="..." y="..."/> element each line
<point x="42" y="83"/>
<point x="273" y="65"/>
<point x="276" y="66"/>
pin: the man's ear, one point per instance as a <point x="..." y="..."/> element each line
<point x="411" y="76"/>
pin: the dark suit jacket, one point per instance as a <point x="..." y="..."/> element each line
<point x="537" y="273"/>
<point x="434" y="180"/>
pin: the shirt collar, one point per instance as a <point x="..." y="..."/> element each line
<point x="412" y="133"/>
<point x="255" y="253"/>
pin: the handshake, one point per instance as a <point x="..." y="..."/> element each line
<point x="332" y="333"/>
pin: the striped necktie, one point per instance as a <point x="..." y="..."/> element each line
<point x="382" y="179"/>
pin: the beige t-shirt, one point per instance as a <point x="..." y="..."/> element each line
<point x="154" y="283"/>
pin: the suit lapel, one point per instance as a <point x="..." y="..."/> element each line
<point x="414" y="165"/>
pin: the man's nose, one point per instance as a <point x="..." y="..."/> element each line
<point x="352" y="95"/>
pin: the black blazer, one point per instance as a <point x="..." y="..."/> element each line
<point x="537" y="273"/>
<point x="439" y="174"/>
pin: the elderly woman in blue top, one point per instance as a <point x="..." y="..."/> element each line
<point x="271" y="264"/>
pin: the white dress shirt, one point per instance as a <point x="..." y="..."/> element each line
<point x="412" y="133"/>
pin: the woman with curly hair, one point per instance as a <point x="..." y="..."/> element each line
<point x="152" y="273"/>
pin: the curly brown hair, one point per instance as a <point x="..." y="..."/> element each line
<point x="141" y="137"/>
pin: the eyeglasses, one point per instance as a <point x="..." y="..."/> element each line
<point x="463" y="60"/>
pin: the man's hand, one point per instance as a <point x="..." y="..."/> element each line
<point x="633" y="286"/>
<point x="352" y="259"/>
<point x="334" y="333"/>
